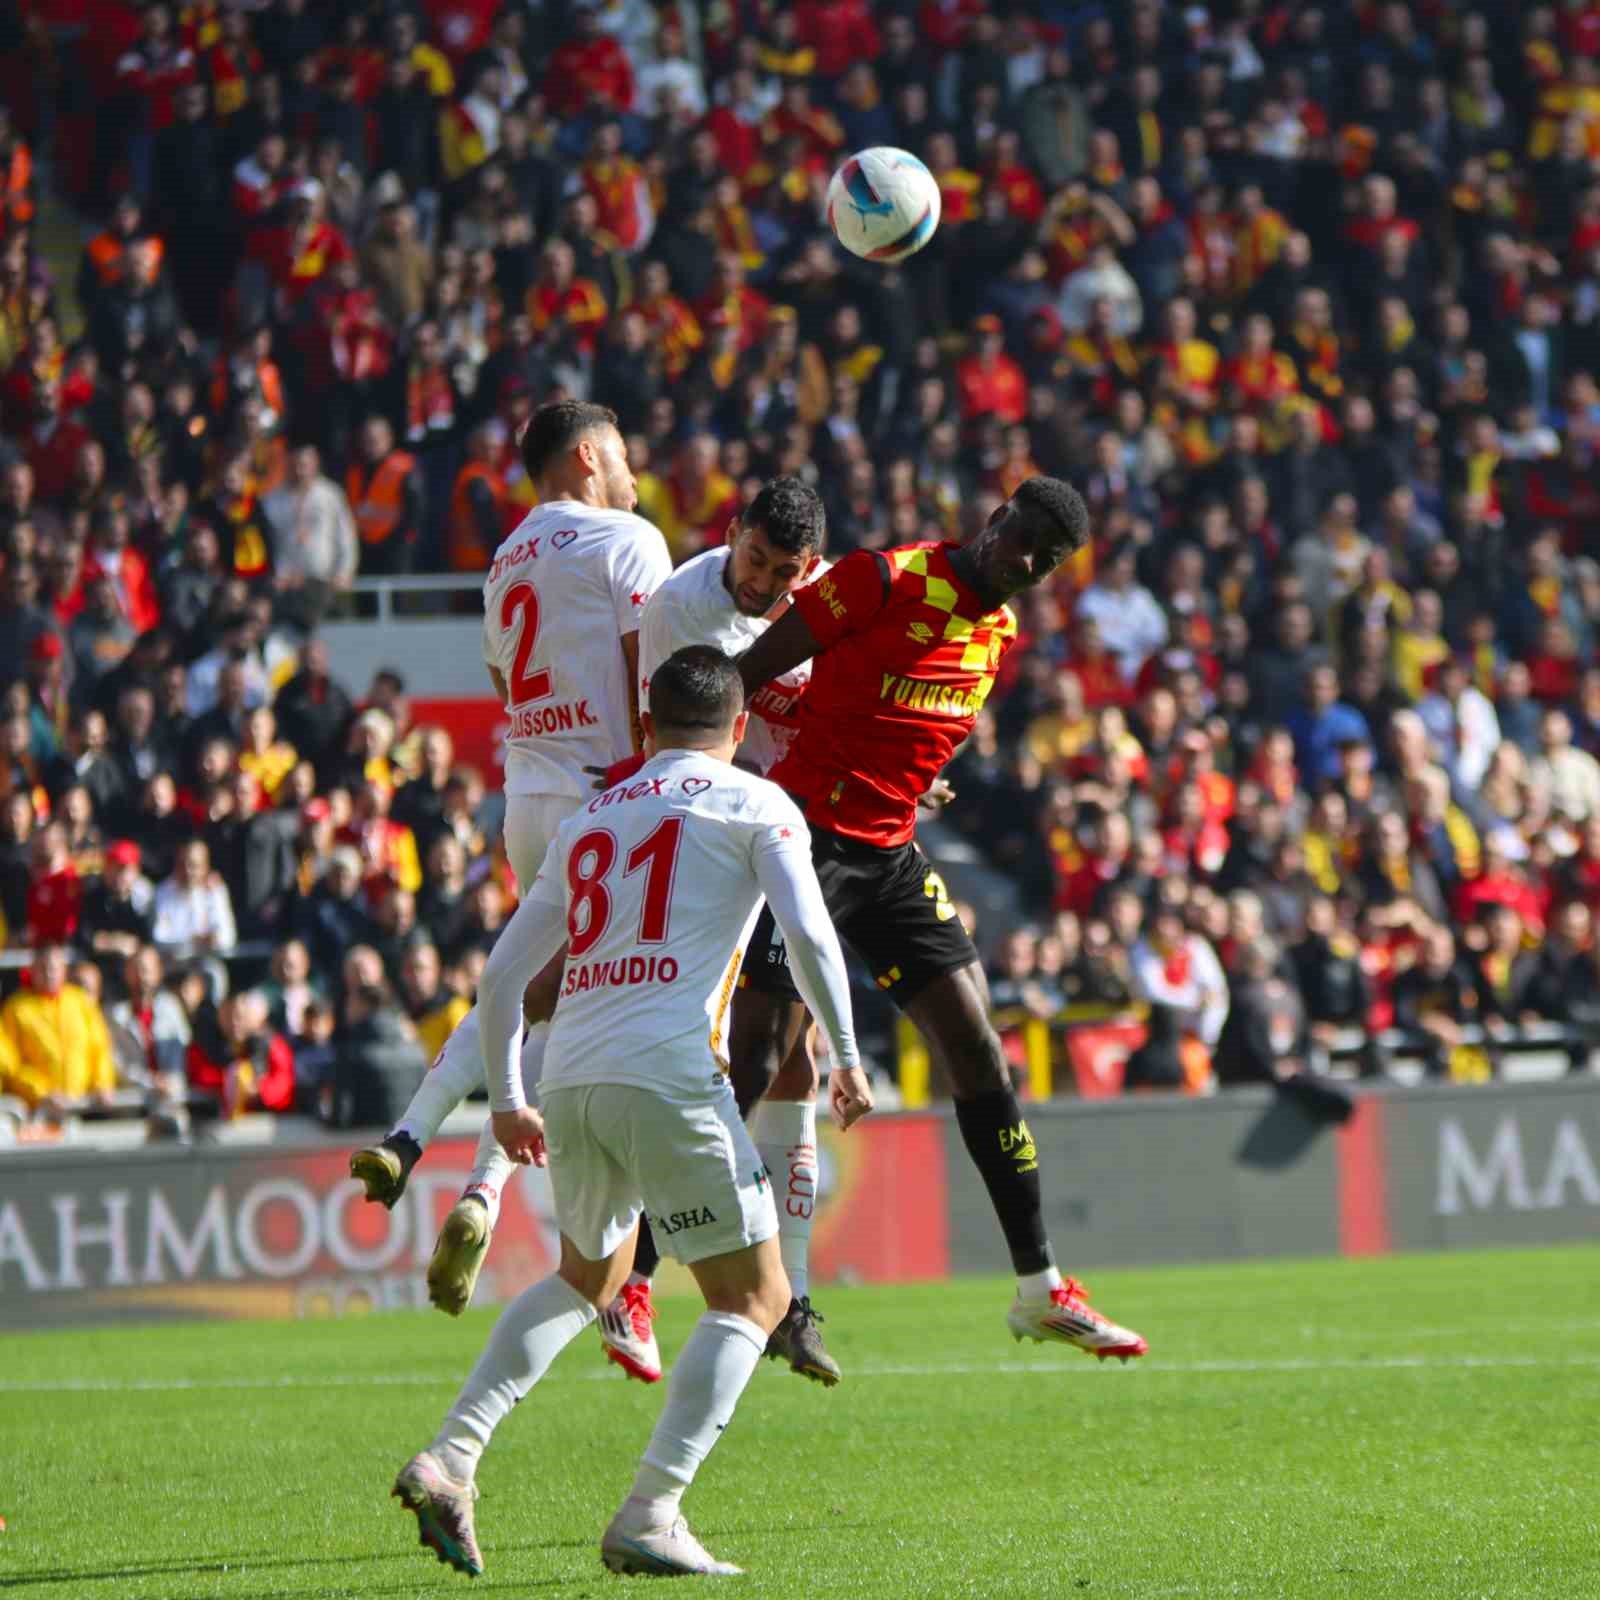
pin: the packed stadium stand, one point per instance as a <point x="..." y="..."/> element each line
<point x="1293" y="774"/>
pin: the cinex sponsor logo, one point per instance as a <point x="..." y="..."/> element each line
<point x="943" y="699"/>
<point x="646" y="788"/>
<point x="623" y="973"/>
<point x="516" y="556"/>
<point x="530" y="721"/>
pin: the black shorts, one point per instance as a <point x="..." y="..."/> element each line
<point x="889" y="905"/>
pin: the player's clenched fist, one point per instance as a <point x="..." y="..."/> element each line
<point x="521" y="1136"/>
<point x="849" y="1095"/>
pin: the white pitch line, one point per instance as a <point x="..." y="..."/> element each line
<point x="930" y="1370"/>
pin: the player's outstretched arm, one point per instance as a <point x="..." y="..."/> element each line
<point x="781" y="649"/>
<point x="526" y="945"/>
<point x="787" y="878"/>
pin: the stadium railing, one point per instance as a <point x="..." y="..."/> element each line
<point x="1080" y="1051"/>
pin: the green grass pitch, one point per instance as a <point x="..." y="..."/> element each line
<point x="1411" y="1427"/>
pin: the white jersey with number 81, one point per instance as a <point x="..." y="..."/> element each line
<point x="659" y="881"/>
<point x="561" y="592"/>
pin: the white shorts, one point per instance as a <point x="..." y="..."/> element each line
<point x="617" y="1150"/>
<point x="531" y="823"/>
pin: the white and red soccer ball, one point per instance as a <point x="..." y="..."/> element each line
<point x="883" y="204"/>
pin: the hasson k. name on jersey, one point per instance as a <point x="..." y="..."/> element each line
<point x="694" y="607"/>
<point x="562" y="590"/>
<point x="658" y="881"/>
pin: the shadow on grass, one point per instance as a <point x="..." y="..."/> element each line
<point x="212" y="1566"/>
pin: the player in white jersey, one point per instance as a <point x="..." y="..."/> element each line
<point x="562" y="602"/>
<point x="653" y="888"/>
<point x="729" y="597"/>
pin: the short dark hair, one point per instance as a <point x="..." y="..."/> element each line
<point x="556" y="428"/>
<point x="696" y="690"/>
<point x="1055" y="516"/>
<point x="789" y="512"/>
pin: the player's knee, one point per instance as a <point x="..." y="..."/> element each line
<point x="797" y="1077"/>
<point x="977" y="1066"/>
<point x="599" y="1282"/>
<point x="755" y="1058"/>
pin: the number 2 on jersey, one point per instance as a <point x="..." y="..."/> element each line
<point x="520" y="609"/>
<point x="591" y="861"/>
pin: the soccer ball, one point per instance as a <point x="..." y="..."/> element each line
<point x="883" y="204"/>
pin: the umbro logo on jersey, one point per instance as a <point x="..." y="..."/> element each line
<point x="695" y="785"/>
<point x="920" y="631"/>
<point x="564" y="538"/>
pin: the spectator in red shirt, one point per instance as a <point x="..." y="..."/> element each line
<point x="110" y="555"/>
<point x="590" y="71"/>
<point x="747" y="309"/>
<point x="260" y="181"/>
<point x="1105" y="859"/>
<point x="1501" y="883"/>
<point x="991" y="384"/>
<point x="304" y="250"/>
<point x="55" y="896"/>
<point x="736" y="126"/>
<point x="461" y="26"/>
<point x="841" y="32"/>
<point x="237" y="1057"/>
<point x="1096" y="667"/>
<point x="53" y="444"/>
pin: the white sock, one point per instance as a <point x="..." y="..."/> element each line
<point x="492" y="1170"/>
<point x="455" y="1075"/>
<point x="532" y="1331"/>
<point x="707" y="1379"/>
<point x="785" y="1134"/>
<point x="1037" y="1285"/>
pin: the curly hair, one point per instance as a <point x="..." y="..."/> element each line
<point x="1055" y="516"/>
<point x="789" y="512"/>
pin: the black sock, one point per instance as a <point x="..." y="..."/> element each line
<point x="1003" y="1151"/>
<point x="405" y="1147"/>
<point x="646" y="1258"/>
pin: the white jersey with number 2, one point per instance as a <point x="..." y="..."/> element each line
<point x="654" y="887"/>
<point x="561" y="592"/>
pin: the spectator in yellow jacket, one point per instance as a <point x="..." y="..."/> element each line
<point x="55" y="1047"/>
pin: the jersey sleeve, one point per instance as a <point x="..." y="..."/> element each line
<point x="527" y="944"/>
<point x="845" y="598"/>
<point x="636" y="568"/>
<point x="658" y="628"/>
<point x="781" y="855"/>
<point x="493" y="635"/>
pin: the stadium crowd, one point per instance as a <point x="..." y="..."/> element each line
<point x="1305" y="297"/>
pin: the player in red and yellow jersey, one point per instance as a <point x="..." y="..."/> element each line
<point x="905" y="644"/>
